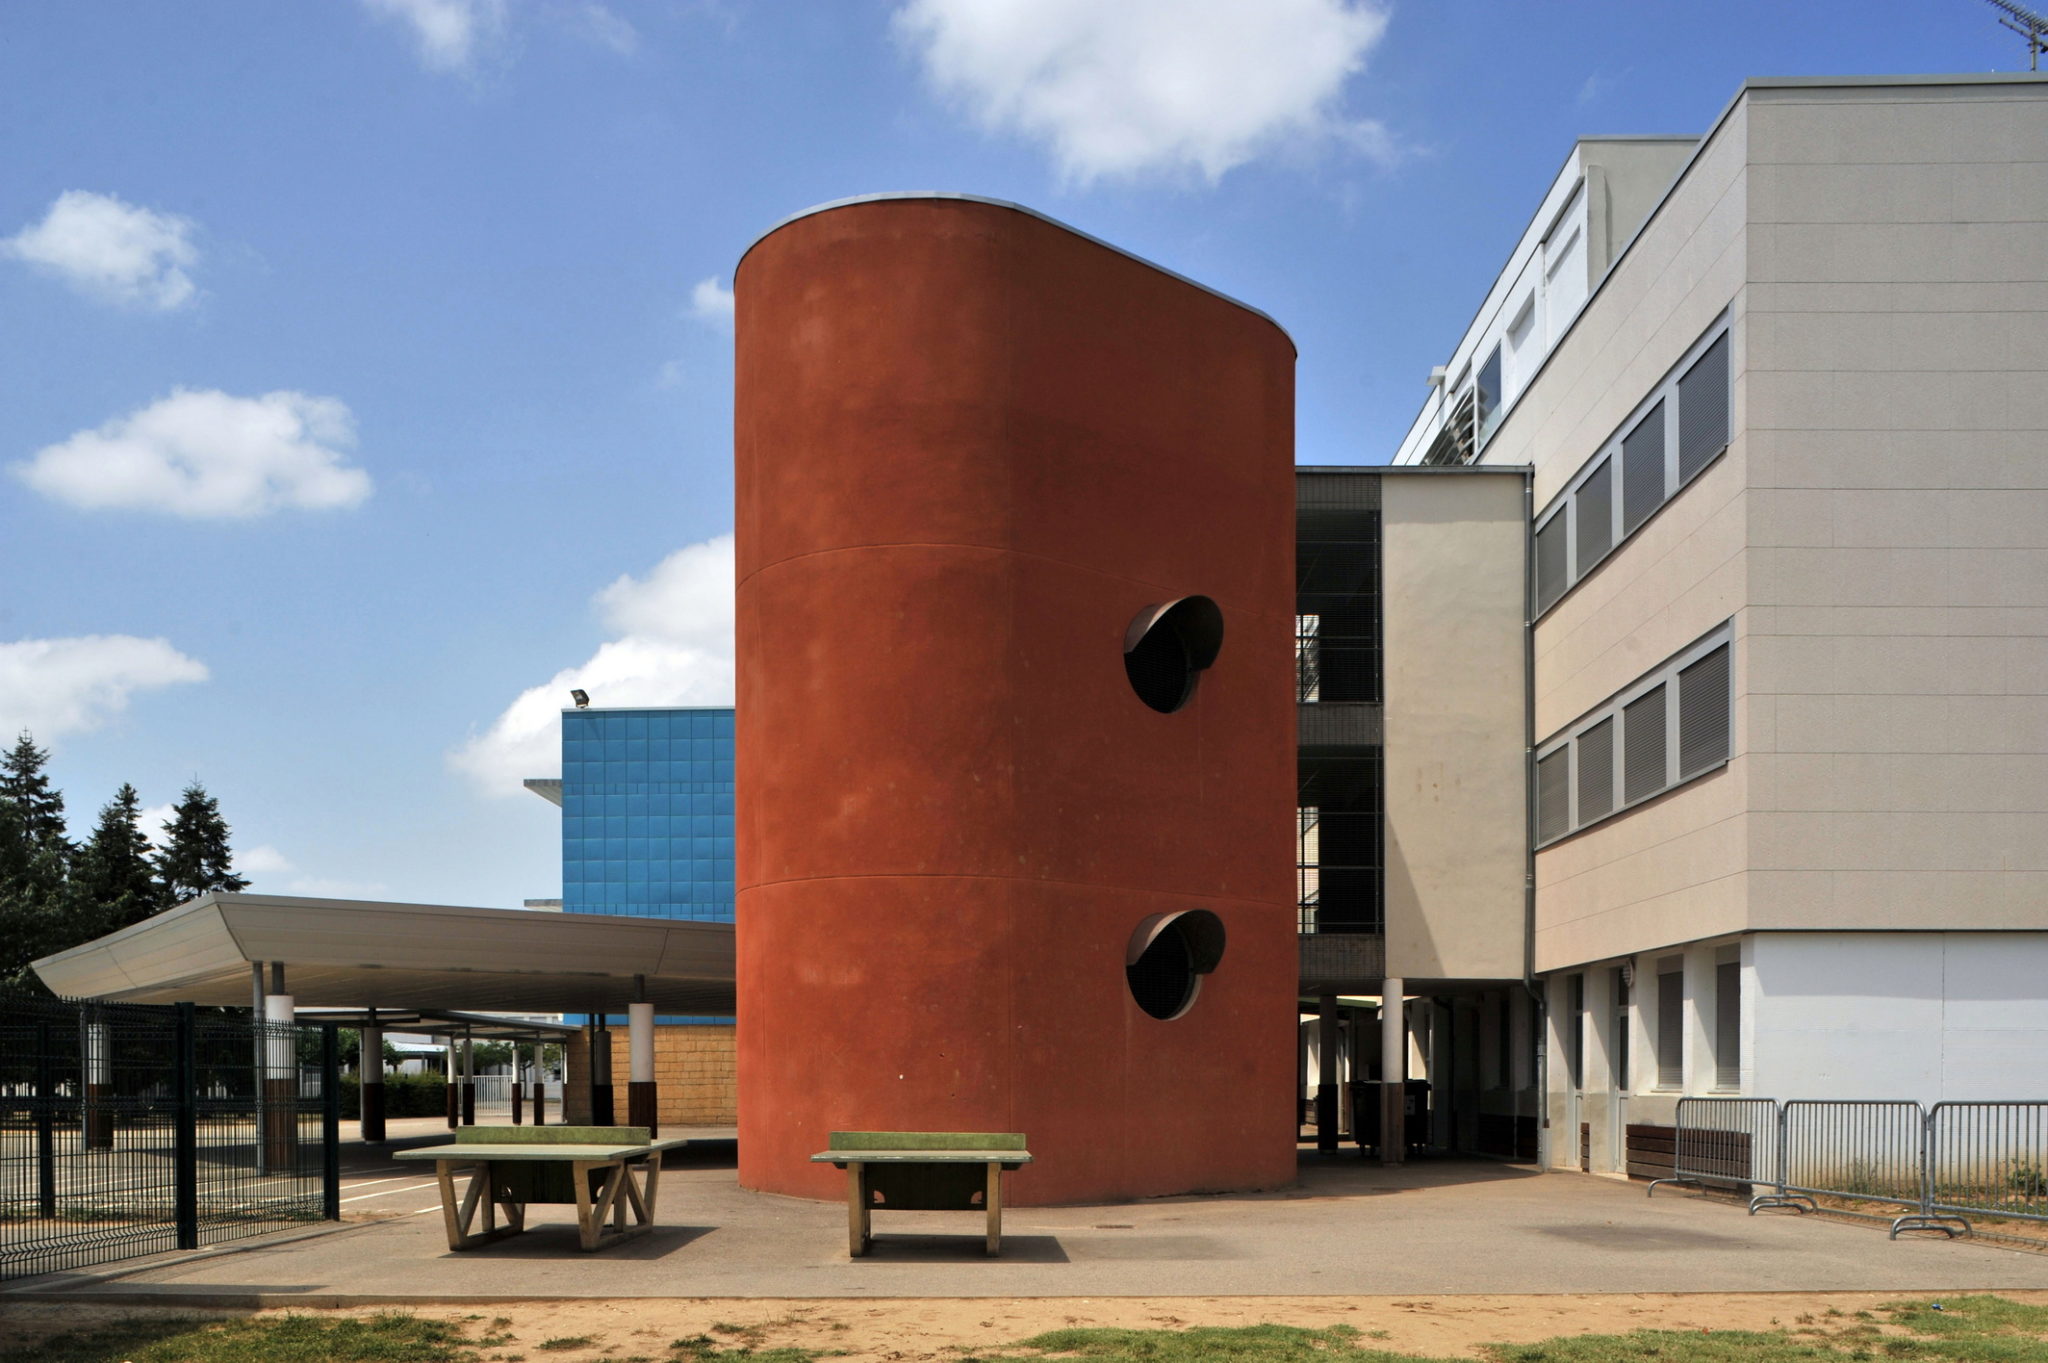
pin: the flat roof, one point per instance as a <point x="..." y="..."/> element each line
<point x="342" y="953"/>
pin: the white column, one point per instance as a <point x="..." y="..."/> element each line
<point x="1393" y="1070"/>
<point x="640" y="1043"/>
<point x="282" y="1058"/>
<point x="370" y="1064"/>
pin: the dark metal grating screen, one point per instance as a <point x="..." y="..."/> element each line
<point x="1642" y="470"/>
<point x="1704" y="713"/>
<point x="1340" y="847"/>
<point x="1645" y="761"/>
<point x="1596" y="772"/>
<point x="1595" y="510"/>
<point x="1703" y="410"/>
<point x="1551" y="563"/>
<point x="128" y="1130"/>
<point x="1670" y="1029"/>
<point x="1337" y="589"/>
<point x="1553" y="795"/>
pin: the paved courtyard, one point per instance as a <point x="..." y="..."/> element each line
<point x="1348" y="1227"/>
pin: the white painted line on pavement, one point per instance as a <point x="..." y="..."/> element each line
<point x="389" y="1192"/>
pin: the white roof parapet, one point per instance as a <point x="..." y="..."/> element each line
<point x="355" y="953"/>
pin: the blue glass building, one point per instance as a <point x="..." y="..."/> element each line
<point x="647" y="813"/>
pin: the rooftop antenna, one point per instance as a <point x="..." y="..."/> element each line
<point x="2028" y="25"/>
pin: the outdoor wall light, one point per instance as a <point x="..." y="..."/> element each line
<point x="581" y="697"/>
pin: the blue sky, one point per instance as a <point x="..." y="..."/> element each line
<point x="365" y="365"/>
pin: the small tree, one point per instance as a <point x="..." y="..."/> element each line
<point x="113" y="882"/>
<point x="196" y="857"/>
<point x="35" y="862"/>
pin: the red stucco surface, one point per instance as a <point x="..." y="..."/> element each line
<point x="970" y="447"/>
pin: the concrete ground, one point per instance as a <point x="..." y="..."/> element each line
<point x="1431" y="1228"/>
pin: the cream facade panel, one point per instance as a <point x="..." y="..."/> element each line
<point x="1452" y="553"/>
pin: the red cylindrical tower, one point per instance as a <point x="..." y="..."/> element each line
<point x="1016" y="708"/>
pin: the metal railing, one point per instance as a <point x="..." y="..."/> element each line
<point x="128" y="1130"/>
<point x="1942" y="1165"/>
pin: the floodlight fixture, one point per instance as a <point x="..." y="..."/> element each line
<point x="581" y="697"/>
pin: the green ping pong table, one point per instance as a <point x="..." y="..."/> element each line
<point x="923" y="1171"/>
<point x="605" y="1172"/>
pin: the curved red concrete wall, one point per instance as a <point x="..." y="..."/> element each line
<point x="971" y="446"/>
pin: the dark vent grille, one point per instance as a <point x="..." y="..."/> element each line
<point x="1670" y="1029"/>
<point x="1703" y="410"/>
<point x="1703" y="712"/>
<point x="1553" y="795"/>
<point x="1728" y="1025"/>
<point x="1595" y="504"/>
<point x="1550" y="563"/>
<point x="1596" y="772"/>
<point x="1646" y="768"/>
<point x="1642" y="470"/>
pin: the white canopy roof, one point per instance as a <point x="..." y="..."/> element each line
<point x="355" y="953"/>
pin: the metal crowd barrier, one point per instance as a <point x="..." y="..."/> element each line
<point x="1942" y="1165"/>
<point x="1729" y="1142"/>
<point x="1987" y="1159"/>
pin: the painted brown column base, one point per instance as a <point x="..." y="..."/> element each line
<point x="281" y="1125"/>
<point x="601" y="1105"/>
<point x="469" y="1102"/>
<point x="540" y="1102"/>
<point x="98" y="1118"/>
<point x="373" y="1112"/>
<point x="518" y="1101"/>
<point x="640" y="1105"/>
<point x="454" y="1106"/>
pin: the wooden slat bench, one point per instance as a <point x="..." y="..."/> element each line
<point x="593" y="1168"/>
<point x="918" y="1171"/>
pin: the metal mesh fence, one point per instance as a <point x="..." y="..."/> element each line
<point x="128" y="1130"/>
<point x="1988" y="1159"/>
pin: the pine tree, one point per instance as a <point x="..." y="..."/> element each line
<point x="35" y="861"/>
<point x="113" y="882"/>
<point x="196" y="857"/>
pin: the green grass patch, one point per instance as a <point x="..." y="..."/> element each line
<point x="389" y="1338"/>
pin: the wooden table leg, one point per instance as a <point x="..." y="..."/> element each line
<point x="450" y="1216"/>
<point x="994" y="1201"/>
<point x="856" y="1209"/>
<point x="587" y="1222"/>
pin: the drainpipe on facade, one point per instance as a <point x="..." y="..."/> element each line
<point x="1538" y="1027"/>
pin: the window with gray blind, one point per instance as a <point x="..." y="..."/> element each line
<point x="1553" y="795"/>
<point x="1728" y="1025"/>
<point x="1642" y="470"/>
<point x="1704" y="713"/>
<point x="1672" y="724"/>
<point x="1645" y="765"/>
<point x="1671" y="1024"/>
<point x="1596" y="516"/>
<point x="1703" y="410"/>
<point x="1552" y="572"/>
<point x="1596" y="772"/>
<point x="1681" y="426"/>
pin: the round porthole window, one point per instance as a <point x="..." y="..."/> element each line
<point x="1167" y="957"/>
<point x="1167" y="648"/>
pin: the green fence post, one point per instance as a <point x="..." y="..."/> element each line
<point x="330" y="1122"/>
<point x="185" y="1175"/>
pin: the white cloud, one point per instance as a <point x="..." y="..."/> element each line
<point x="270" y="871"/>
<point x="712" y="302"/>
<point x="1136" y="85"/>
<point x="110" y="249"/>
<point x="52" y="687"/>
<point x="605" y="27"/>
<point x="151" y="819"/>
<point x="208" y="454"/>
<point x="449" y="34"/>
<point x="263" y="860"/>
<point x="674" y="647"/>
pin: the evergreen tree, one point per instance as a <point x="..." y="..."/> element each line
<point x="113" y="882"/>
<point x="196" y="856"/>
<point x="35" y="861"/>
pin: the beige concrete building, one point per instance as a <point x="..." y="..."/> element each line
<point x="1788" y="694"/>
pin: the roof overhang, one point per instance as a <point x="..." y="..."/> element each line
<point x="362" y="954"/>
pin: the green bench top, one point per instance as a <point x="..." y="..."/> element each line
<point x="925" y="1147"/>
<point x="540" y="1143"/>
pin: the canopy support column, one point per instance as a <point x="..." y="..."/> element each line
<point x="641" y="1104"/>
<point x="280" y="1076"/>
<point x="370" y="1080"/>
<point x="1393" y="1072"/>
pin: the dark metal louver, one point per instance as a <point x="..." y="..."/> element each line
<point x="1704" y="711"/>
<point x="1670" y="1029"/>
<point x="1703" y="410"/>
<point x="1645" y="765"/>
<point x="1550" y="563"/>
<point x="1595" y="510"/>
<point x="1728" y="1025"/>
<point x="1642" y="470"/>
<point x="1553" y="795"/>
<point x="1596" y="772"/>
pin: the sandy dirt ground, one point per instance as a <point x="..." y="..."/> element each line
<point x="911" y="1331"/>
